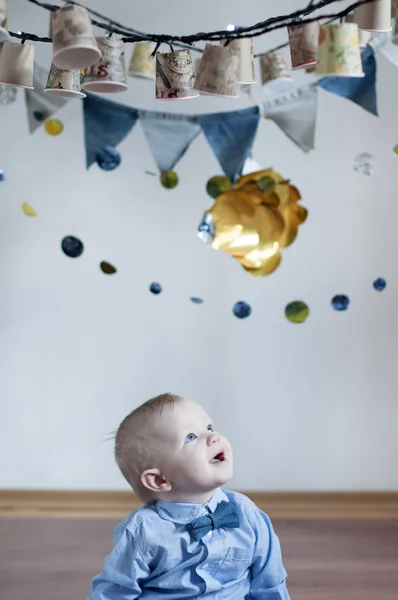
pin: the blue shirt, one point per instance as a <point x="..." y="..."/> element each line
<point x="154" y="555"/>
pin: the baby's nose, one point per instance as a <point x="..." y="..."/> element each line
<point x="213" y="438"/>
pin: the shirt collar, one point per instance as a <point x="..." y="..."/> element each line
<point x="183" y="513"/>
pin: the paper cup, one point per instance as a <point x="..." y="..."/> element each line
<point x="363" y="36"/>
<point x="196" y="65"/>
<point x="66" y="84"/>
<point x="374" y="16"/>
<point x="174" y="76"/>
<point x="74" y="45"/>
<point x="243" y="49"/>
<point x="3" y="21"/>
<point x="141" y="63"/>
<point x="218" y="73"/>
<point x="108" y="76"/>
<point x="339" y="54"/>
<point x="16" y="65"/>
<point x="303" y="41"/>
<point x="275" y="74"/>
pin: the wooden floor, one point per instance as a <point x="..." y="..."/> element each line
<point x="55" y="559"/>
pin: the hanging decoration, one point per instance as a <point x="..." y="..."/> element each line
<point x="218" y="72"/>
<point x="242" y="310"/>
<point x="74" y="44"/>
<point x="66" y="84"/>
<point x="3" y="21"/>
<point x="364" y="163"/>
<point x="339" y="54"/>
<point x="8" y="94"/>
<point x="168" y="137"/>
<point x="275" y="74"/>
<point x="254" y="221"/>
<point x="107" y="268"/>
<point x="53" y="126"/>
<point x="231" y="136"/>
<point x="362" y="91"/>
<point x="16" y="64"/>
<point x="1" y="175"/>
<point x="169" y="179"/>
<point x="340" y="302"/>
<point x="108" y="158"/>
<point x="217" y="185"/>
<point x="380" y="284"/>
<point x="174" y="76"/>
<point x="295" y="114"/>
<point x="105" y="124"/>
<point x="303" y="43"/>
<point x="28" y="210"/>
<point x="141" y="63"/>
<point x="155" y="288"/>
<point x="109" y="74"/>
<point x="243" y="49"/>
<point x="297" y="312"/>
<point x="72" y="246"/>
<point x="196" y="300"/>
<point x="374" y="16"/>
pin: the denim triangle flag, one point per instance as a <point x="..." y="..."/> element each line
<point x="361" y="90"/>
<point x="231" y="136"/>
<point x="168" y="136"/>
<point x="105" y="124"/>
<point x="41" y="106"/>
<point x="295" y="113"/>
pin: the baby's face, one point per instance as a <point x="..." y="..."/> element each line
<point x="192" y="455"/>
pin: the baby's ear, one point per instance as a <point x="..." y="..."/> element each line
<point x="154" y="481"/>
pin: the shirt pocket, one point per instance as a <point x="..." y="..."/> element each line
<point x="235" y="564"/>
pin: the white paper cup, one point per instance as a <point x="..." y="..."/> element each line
<point x="275" y="74"/>
<point x="218" y="73"/>
<point x="66" y="84"/>
<point x="74" y="45"/>
<point x="243" y="49"/>
<point x="374" y="16"/>
<point x="108" y="76"/>
<point x="141" y="63"/>
<point x="16" y="65"/>
<point x="174" y="76"/>
<point x="303" y="42"/>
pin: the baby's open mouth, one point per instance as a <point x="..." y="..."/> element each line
<point x="220" y="457"/>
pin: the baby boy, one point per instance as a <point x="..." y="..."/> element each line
<point x="191" y="539"/>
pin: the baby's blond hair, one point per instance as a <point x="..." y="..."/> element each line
<point x="135" y="448"/>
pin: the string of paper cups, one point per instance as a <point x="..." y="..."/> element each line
<point x="83" y="62"/>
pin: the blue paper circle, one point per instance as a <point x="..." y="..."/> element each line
<point x="155" y="288"/>
<point x="340" y="302"/>
<point x="196" y="300"/>
<point x="380" y="284"/>
<point x="72" y="247"/>
<point x="1" y="175"/>
<point x="39" y="116"/>
<point x="242" y="310"/>
<point x="108" y="158"/>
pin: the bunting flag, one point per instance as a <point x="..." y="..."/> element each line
<point x="105" y="124"/>
<point x="295" y="113"/>
<point x="168" y="135"/>
<point x="361" y="90"/>
<point x="41" y="106"/>
<point x="231" y="136"/>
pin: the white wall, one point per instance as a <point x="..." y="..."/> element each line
<point x="306" y="407"/>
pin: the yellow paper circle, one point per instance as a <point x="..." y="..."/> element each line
<point x="169" y="179"/>
<point x="28" y="210"/>
<point x="53" y="126"/>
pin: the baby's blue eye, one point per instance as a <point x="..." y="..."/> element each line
<point x="191" y="437"/>
<point x="210" y="428"/>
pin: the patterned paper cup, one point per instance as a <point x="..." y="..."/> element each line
<point x="303" y="41"/>
<point x="174" y="76"/>
<point x="363" y="36"/>
<point x="218" y="72"/>
<point x="275" y="74"/>
<point x="141" y="63"/>
<point x="108" y="76"/>
<point x="243" y="49"/>
<point x="74" y="45"/>
<point x="16" y="65"/>
<point x="338" y="51"/>
<point x="3" y="21"/>
<point x="66" y="84"/>
<point x="374" y="16"/>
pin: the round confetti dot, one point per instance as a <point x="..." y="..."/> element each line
<point x="242" y="310"/>
<point x="380" y="284"/>
<point x="39" y="116"/>
<point x="53" y="126"/>
<point x="1" y="175"/>
<point x="108" y="158"/>
<point x="28" y="210"/>
<point x="297" y="311"/>
<point x="155" y="288"/>
<point x="72" y="247"/>
<point x="107" y="268"/>
<point x="8" y="94"/>
<point x="340" y="302"/>
<point x="217" y="185"/>
<point x="196" y="300"/>
<point x="396" y="149"/>
<point x="169" y="179"/>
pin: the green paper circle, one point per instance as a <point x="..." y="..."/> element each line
<point x="297" y="311"/>
<point x="169" y="179"/>
<point x="218" y="185"/>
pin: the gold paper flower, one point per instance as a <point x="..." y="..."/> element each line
<point x="254" y="220"/>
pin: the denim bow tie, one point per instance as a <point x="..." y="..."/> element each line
<point x="224" y="516"/>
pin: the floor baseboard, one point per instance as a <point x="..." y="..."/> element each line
<point x="280" y="505"/>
